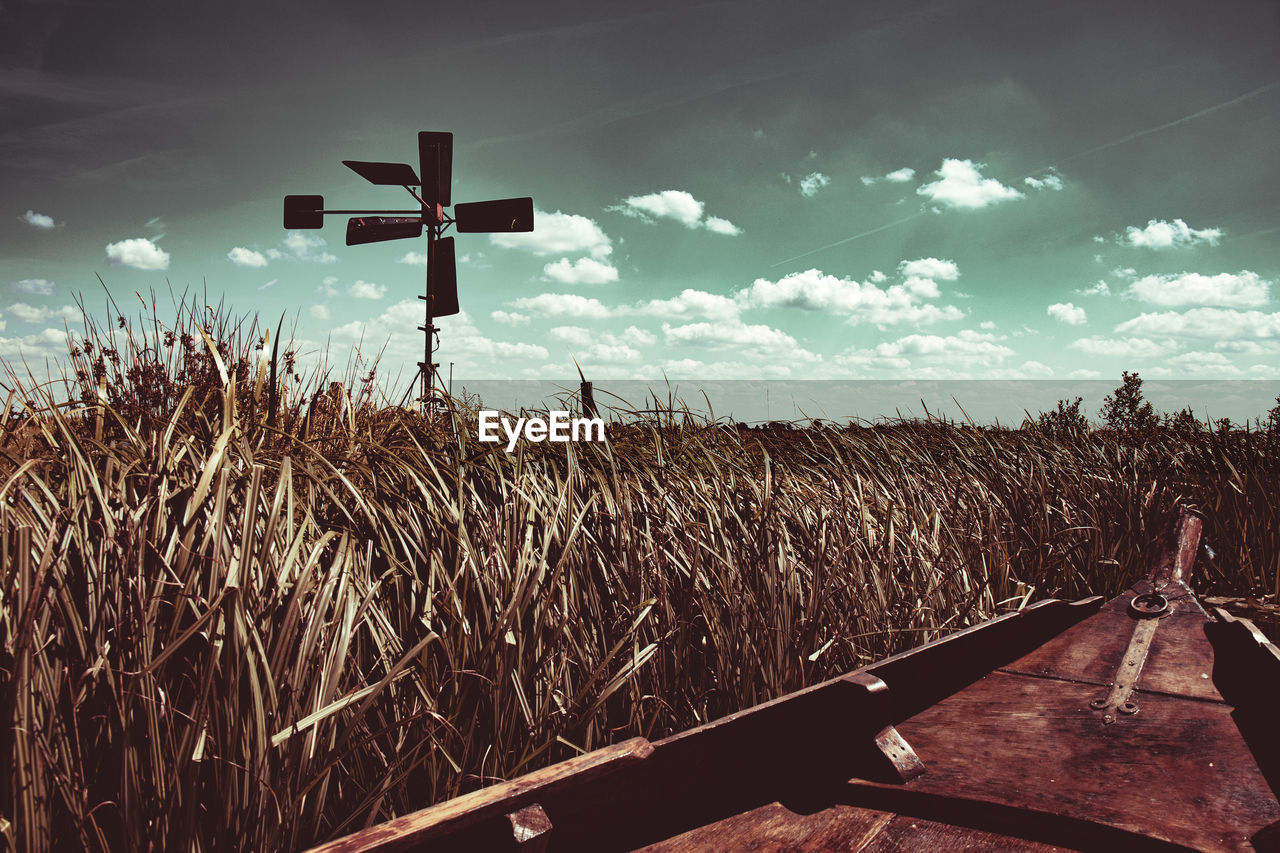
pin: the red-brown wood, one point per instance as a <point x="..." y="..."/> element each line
<point x="1181" y="749"/>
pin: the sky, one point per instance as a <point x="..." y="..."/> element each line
<point x="723" y="191"/>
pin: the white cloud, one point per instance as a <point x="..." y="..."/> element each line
<point x="594" y="346"/>
<point x="327" y="286"/>
<point x="639" y="337"/>
<point x="581" y="271"/>
<point x="243" y="257"/>
<point x="1160" y="234"/>
<point x="960" y="185"/>
<point x="930" y="356"/>
<point x="49" y="343"/>
<point x="929" y="268"/>
<point x="897" y="176"/>
<point x="1084" y="373"/>
<point x="33" y="286"/>
<point x="1124" y="348"/>
<point x="812" y="182"/>
<point x="558" y="234"/>
<point x="1242" y="289"/>
<point x="307" y="247"/>
<point x="509" y="318"/>
<point x="1065" y="312"/>
<point x="1031" y="369"/>
<point x="863" y="302"/>
<point x="1222" y="323"/>
<point x="692" y="303"/>
<point x="38" y="220"/>
<point x="320" y="312"/>
<point x="721" y="226"/>
<point x="1201" y="363"/>
<point x="139" y="253"/>
<point x="267" y="284"/>
<point x="561" y="305"/>
<point x="1101" y="288"/>
<point x="677" y="205"/>
<point x="759" y="340"/>
<point x="416" y="258"/>
<point x="39" y="314"/>
<point x="367" y="290"/>
<point x="1050" y="181"/>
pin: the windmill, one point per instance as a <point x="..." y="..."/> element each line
<point x="435" y="161"/>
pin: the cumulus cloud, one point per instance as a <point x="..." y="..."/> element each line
<point x="558" y="234"/>
<point x="1065" y="312"/>
<point x="39" y="314"/>
<point x="33" y="286"/>
<point x="812" y="182"/>
<point x="1100" y="288"/>
<point x="139" y="253"/>
<point x="863" y="302"/>
<point x="1051" y="181"/>
<point x="49" y="343"/>
<point x="677" y="205"/>
<point x="367" y="290"/>
<point x="581" y="271"/>
<point x="418" y="259"/>
<point x="897" y="176"/>
<point x="509" y="318"/>
<point x="734" y="334"/>
<point x="38" y="220"/>
<point x="1243" y="289"/>
<point x="930" y="355"/>
<point x="561" y="305"/>
<point x="1136" y="347"/>
<point x="1160" y="234"/>
<point x="1203" y="363"/>
<point x="721" y="226"/>
<point x="308" y="247"/>
<point x="595" y="346"/>
<point x="320" y="312"/>
<point x="243" y="257"/>
<point x="692" y="303"/>
<point x="1222" y="323"/>
<point x="960" y="185"/>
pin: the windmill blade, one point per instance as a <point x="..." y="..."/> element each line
<point x="375" y="229"/>
<point x="303" y="211"/>
<point x="435" y="159"/>
<point x="442" y="279"/>
<point x="392" y="174"/>
<point x="502" y="216"/>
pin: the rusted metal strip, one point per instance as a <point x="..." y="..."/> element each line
<point x="895" y="748"/>
<point x="531" y="828"/>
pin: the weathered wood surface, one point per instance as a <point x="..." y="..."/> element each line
<point x="1178" y="770"/>
<point x="773" y="828"/>
<point x="1182" y="753"/>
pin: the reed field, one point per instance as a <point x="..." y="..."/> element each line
<point x="247" y="609"/>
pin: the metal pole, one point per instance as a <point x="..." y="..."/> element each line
<point x="428" y="368"/>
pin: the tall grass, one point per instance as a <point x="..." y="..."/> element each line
<point x="247" y="609"/>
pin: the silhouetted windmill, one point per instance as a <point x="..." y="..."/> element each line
<point x="435" y="159"/>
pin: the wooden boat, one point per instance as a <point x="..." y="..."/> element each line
<point x="1141" y="723"/>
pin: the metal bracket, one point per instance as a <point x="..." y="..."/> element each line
<point x="894" y="746"/>
<point x="1147" y="609"/>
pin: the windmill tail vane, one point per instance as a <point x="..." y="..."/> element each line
<point x="433" y="180"/>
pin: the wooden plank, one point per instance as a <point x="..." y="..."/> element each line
<point x="1181" y="659"/>
<point x="773" y="828"/>
<point x="906" y="834"/>
<point x="1178" y="771"/>
<point x="412" y="830"/>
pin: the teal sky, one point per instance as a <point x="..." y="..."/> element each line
<point x="736" y="190"/>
